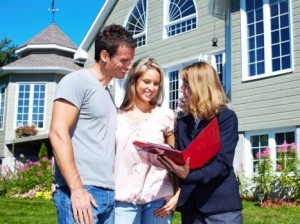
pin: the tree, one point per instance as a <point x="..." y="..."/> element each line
<point x="7" y="52"/>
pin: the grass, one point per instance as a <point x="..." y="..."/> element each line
<point x="24" y="211"/>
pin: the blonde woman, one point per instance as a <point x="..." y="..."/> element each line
<point x="144" y="194"/>
<point x="208" y="194"/>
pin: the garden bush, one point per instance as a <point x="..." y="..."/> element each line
<point x="273" y="185"/>
<point x="29" y="178"/>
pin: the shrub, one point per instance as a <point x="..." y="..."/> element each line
<point x="43" y="151"/>
<point x="270" y="185"/>
<point x="32" y="179"/>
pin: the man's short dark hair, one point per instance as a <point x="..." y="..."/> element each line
<point x="110" y="38"/>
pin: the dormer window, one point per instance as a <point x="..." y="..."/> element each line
<point x="136" y="23"/>
<point x="181" y="17"/>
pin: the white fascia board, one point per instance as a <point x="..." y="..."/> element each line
<point x="33" y="70"/>
<point x="81" y="53"/>
<point x="44" y="46"/>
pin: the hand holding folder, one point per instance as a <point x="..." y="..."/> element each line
<point x="203" y="148"/>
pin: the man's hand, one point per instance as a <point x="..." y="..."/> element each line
<point x="179" y="171"/>
<point x="81" y="202"/>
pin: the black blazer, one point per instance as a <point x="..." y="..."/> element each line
<point x="212" y="188"/>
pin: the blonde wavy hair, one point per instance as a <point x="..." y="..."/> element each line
<point x="137" y="70"/>
<point x="206" y="92"/>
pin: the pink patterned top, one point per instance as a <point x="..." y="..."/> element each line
<point x="137" y="182"/>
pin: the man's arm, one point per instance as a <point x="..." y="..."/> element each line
<point x="64" y="117"/>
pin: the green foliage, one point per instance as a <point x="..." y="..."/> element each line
<point x="32" y="179"/>
<point x="7" y="52"/>
<point x="43" y="151"/>
<point x="275" y="185"/>
<point x="264" y="177"/>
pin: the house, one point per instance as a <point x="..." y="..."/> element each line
<point x="252" y="45"/>
<point x="256" y="56"/>
<point x="27" y="89"/>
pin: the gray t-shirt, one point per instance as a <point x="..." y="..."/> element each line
<point x="93" y="135"/>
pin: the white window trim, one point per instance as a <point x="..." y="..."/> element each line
<point x="168" y="23"/>
<point x="146" y="23"/>
<point x="214" y="64"/>
<point x="248" y="160"/>
<point x="173" y="67"/>
<point x="244" y="49"/>
<point x="30" y="104"/>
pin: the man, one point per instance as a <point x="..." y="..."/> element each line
<point x="82" y="132"/>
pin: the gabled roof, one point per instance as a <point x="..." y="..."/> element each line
<point x="50" y="38"/>
<point x="82" y="51"/>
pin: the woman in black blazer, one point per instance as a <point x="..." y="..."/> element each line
<point x="209" y="194"/>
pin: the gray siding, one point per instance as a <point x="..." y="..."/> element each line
<point x="178" y="48"/>
<point x="271" y="102"/>
<point x="11" y="98"/>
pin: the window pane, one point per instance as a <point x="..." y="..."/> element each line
<point x="285" y="35"/>
<point x="275" y="37"/>
<point x="284" y="20"/>
<point x="250" y="17"/>
<point x="276" y="64"/>
<point x="285" y="48"/>
<point x="286" y="62"/>
<point x="136" y="23"/>
<point x="179" y="10"/>
<point x="260" y="54"/>
<point x="260" y="41"/>
<point x="260" y="68"/>
<point x="173" y="89"/>
<point x="255" y="141"/>
<point x="275" y="51"/>
<point x="275" y="23"/>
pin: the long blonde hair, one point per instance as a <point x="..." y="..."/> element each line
<point x="206" y="92"/>
<point x="137" y="70"/>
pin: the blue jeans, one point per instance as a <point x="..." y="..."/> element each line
<point x="140" y="213"/>
<point x="234" y="217"/>
<point x="104" y="198"/>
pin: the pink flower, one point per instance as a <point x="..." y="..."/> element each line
<point x="293" y="147"/>
<point x="39" y="173"/>
<point x="283" y="148"/>
<point x="263" y="154"/>
<point x="44" y="159"/>
<point x="278" y="166"/>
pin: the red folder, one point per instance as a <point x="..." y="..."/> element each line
<point x="203" y="148"/>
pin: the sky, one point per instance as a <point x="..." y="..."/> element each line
<point x="21" y="20"/>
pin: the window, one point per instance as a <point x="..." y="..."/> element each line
<point x="218" y="60"/>
<point x="284" y="151"/>
<point x="258" y="144"/>
<point x="2" y="105"/>
<point x="181" y="17"/>
<point x="136" y="23"/>
<point x="267" y="40"/>
<point x="174" y="83"/>
<point x="274" y="141"/>
<point x="173" y="89"/>
<point x="31" y="104"/>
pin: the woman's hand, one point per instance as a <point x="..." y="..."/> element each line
<point x="169" y="207"/>
<point x="180" y="171"/>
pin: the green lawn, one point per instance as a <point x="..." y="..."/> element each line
<point x="40" y="211"/>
